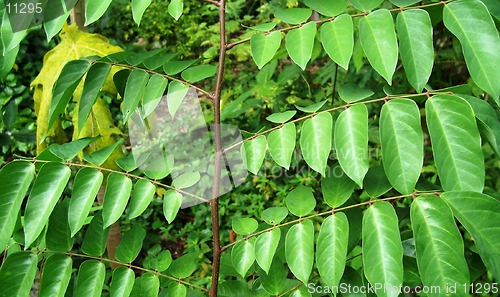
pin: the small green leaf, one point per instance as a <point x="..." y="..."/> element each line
<point x="56" y="276"/>
<point x="18" y="273"/>
<point x="311" y="108"/>
<point x="134" y="91"/>
<point x="146" y="285"/>
<point x="157" y="61"/>
<point x="100" y="156"/>
<point x="197" y="73"/>
<point x="95" y="79"/>
<point x="327" y="7"/>
<point x="90" y="279"/>
<point x="58" y="237"/>
<point x="264" y="27"/>
<point x="186" y="180"/>
<point x="94" y="10"/>
<point x="243" y="256"/>
<point x="365" y="5"/>
<point x="337" y="38"/>
<point x="118" y="187"/>
<point x="264" y="47"/>
<point x="403" y="3"/>
<point x="300" y="42"/>
<point x="52" y="27"/>
<point x="184" y="266"/>
<point x="172" y="201"/>
<point x="281" y="144"/>
<point x="265" y="248"/>
<point x="253" y="152"/>
<point x="351" y="93"/>
<point x="142" y="195"/>
<point x="174" y="67"/>
<point x="299" y="249"/>
<point x="94" y="242"/>
<point x="294" y="16"/>
<point x="138" y="9"/>
<point x="281" y="117"/>
<point x="68" y="151"/>
<point x="152" y="95"/>
<point x="127" y="164"/>
<point x="337" y="189"/>
<point x="244" y="226"/>
<point x="162" y="261"/>
<point x="375" y="182"/>
<point x="131" y="244"/>
<point x="274" y="215"/>
<point x="300" y="201"/>
<point x="122" y="282"/>
<point x="177" y="289"/>
<point x="175" y="8"/>
<point x="316" y="141"/>
<point x="176" y="93"/>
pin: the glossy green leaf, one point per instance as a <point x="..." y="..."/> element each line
<point x="378" y="39"/>
<point x="300" y="201"/>
<point x="122" y="282"/>
<point x="264" y="27"/>
<point x="152" y="95"/>
<point x="316" y="141"/>
<point x="376" y="183"/>
<point x="337" y="38"/>
<point x="174" y="67"/>
<point x="68" y="151"/>
<point x="403" y="3"/>
<point x="264" y="47"/>
<point x="265" y="248"/>
<point x="127" y="164"/>
<point x="146" y="285"/>
<point x="55" y="277"/>
<point x="197" y="73"/>
<point x="68" y="80"/>
<point x="18" y="273"/>
<point x="95" y="79"/>
<point x="118" y="187"/>
<point x="253" y="152"/>
<point x="16" y="178"/>
<point x="100" y="156"/>
<point x="136" y="59"/>
<point x="281" y="144"/>
<point x="415" y="42"/>
<point x="94" y="242"/>
<point x="493" y="7"/>
<point x="184" y="266"/>
<point x="58" y="237"/>
<point x="243" y="255"/>
<point x="300" y="42"/>
<point x="138" y="9"/>
<point x="456" y="143"/>
<point x="172" y="201"/>
<point x="176" y="93"/>
<point x="53" y="27"/>
<point x="382" y="248"/>
<point x="294" y="16"/>
<point x="327" y="7"/>
<point x="244" y="226"/>
<point x="352" y="278"/>
<point x="175" y="8"/>
<point x="94" y="10"/>
<point x="186" y="180"/>
<point x="177" y="289"/>
<point x="479" y="214"/>
<point x="365" y="5"/>
<point x="157" y="61"/>
<point x="142" y="195"/>
<point x="311" y="108"/>
<point x="439" y="245"/>
<point x="331" y="249"/>
<point x="299" y="249"/>
<point x="274" y="215"/>
<point x="131" y="244"/>
<point x="463" y="18"/>
<point x="48" y="187"/>
<point x="281" y="117"/>
<point x="90" y="279"/>
<point x="351" y="142"/>
<point x="162" y="261"/>
<point x="351" y="93"/>
<point x="134" y="91"/>
<point x="336" y="189"/>
<point x="302" y="291"/>
<point x="275" y="281"/>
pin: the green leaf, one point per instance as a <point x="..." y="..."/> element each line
<point x="382" y="248"/>
<point x="337" y="38"/>
<point x="281" y="117"/>
<point x="253" y="152"/>
<point x="122" y="282"/>
<point x="311" y="108"/>
<point x="18" y="273"/>
<point x="281" y="144"/>
<point x="351" y="93"/>
<point x="439" y="245"/>
<point x="162" y="261"/>
<point x="244" y="226"/>
<point x="90" y="279"/>
<point x="365" y="5"/>
<point x="68" y="80"/>
<point x="274" y="215"/>
<point x="142" y="195"/>
<point x="118" y="187"/>
<point x="184" y="266"/>
<point x="56" y="276"/>
<point x="127" y="164"/>
<point x="479" y="214"/>
<point x="456" y="143"/>
<point x="375" y="182"/>
<point x="331" y="249"/>
<point x="172" y="201"/>
<point x="415" y="41"/>
<point x="131" y="244"/>
<point x="299" y="249"/>
<point x="174" y="67"/>
<point x="300" y="42"/>
<point x="16" y="178"/>
<point x="48" y="187"/>
<point x="147" y="285"/>
<point x="294" y="16"/>
<point x="68" y="151"/>
<point x="300" y="201"/>
<point x="403" y="3"/>
<point x="86" y="186"/>
<point x="152" y="95"/>
<point x="134" y="91"/>
<point x="243" y="256"/>
<point x="176" y="93"/>
<point x="463" y="18"/>
<point x="302" y="291"/>
<point x="316" y="141"/>
<point x="54" y="26"/>
<point x="275" y="281"/>
<point x="157" y="61"/>
<point x="94" y="243"/>
<point x="337" y="189"/>
<point x="264" y="47"/>
<point x="327" y="7"/>
<point x="351" y="142"/>
<point x="264" y="27"/>
<point x="94" y="10"/>
<point x="175" y="8"/>
<point x="378" y="39"/>
<point x="402" y="143"/>
<point x="197" y="73"/>
<point x="138" y="9"/>
<point x="186" y="180"/>
<point x="94" y="81"/>
<point x="177" y="289"/>
<point x="136" y="59"/>
<point x="100" y="156"/>
<point x="58" y="237"/>
<point x="265" y="248"/>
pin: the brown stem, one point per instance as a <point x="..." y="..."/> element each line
<point x="78" y="15"/>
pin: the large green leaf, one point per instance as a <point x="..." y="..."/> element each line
<point x="53" y="27"/>
<point x="48" y="187"/>
<point x="184" y="266"/>
<point x="253" y="152"/>
<point x="293" y="16"/>
<point x="56" y="276"/>
<point x="281" y="144"/>
<point x="142" y="195"/>
<point x="16" y="178"/>
<point x="327" y="7"/>
<point x="68" y="151"/>
<point x="402" y="143"/>
<point x="172" y="201"/>
<point x="90" y="279"/>
<point x="243" y="256"/>
<point x="131" y="244"/>
<point x="152" y="95"/>
<point x="94" y="242"/>
<point x="337" y="38"/>
<point x="146" y="286"/>
<point x="351" y="142"/>
<point x="134" y="90"/>
<point x="18" y="273"/>
<point x="138" y="9"/>
<point x="365" y="5"/>
<point x="264" y="47"/>
<point x="382" y="248"/>
<point x="316" y="141"/>
<point x="439" y="245"/>
<point x="122" y="282"/>
<point x="197" y="73"/>
<point x="300" y="201"/>
<point x="331" y="249"/>
<point x="118" y="187"/>
<point x="299" y="249"/>
<point x="378" y="39"/>
<point x="300" y="42"/>
<point x="274" y="215"/>
<point x="58" y="237"/>
<point x="415" y="42"/>
<point x="456" y="143"/>
<point x="480" y="215"/>
<point x="480" y="47"/>
<point x="244" y="226"/>
<point x="94" y="9"/>
<point x="275" y="280"/>
<point x="265" y="248"/>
